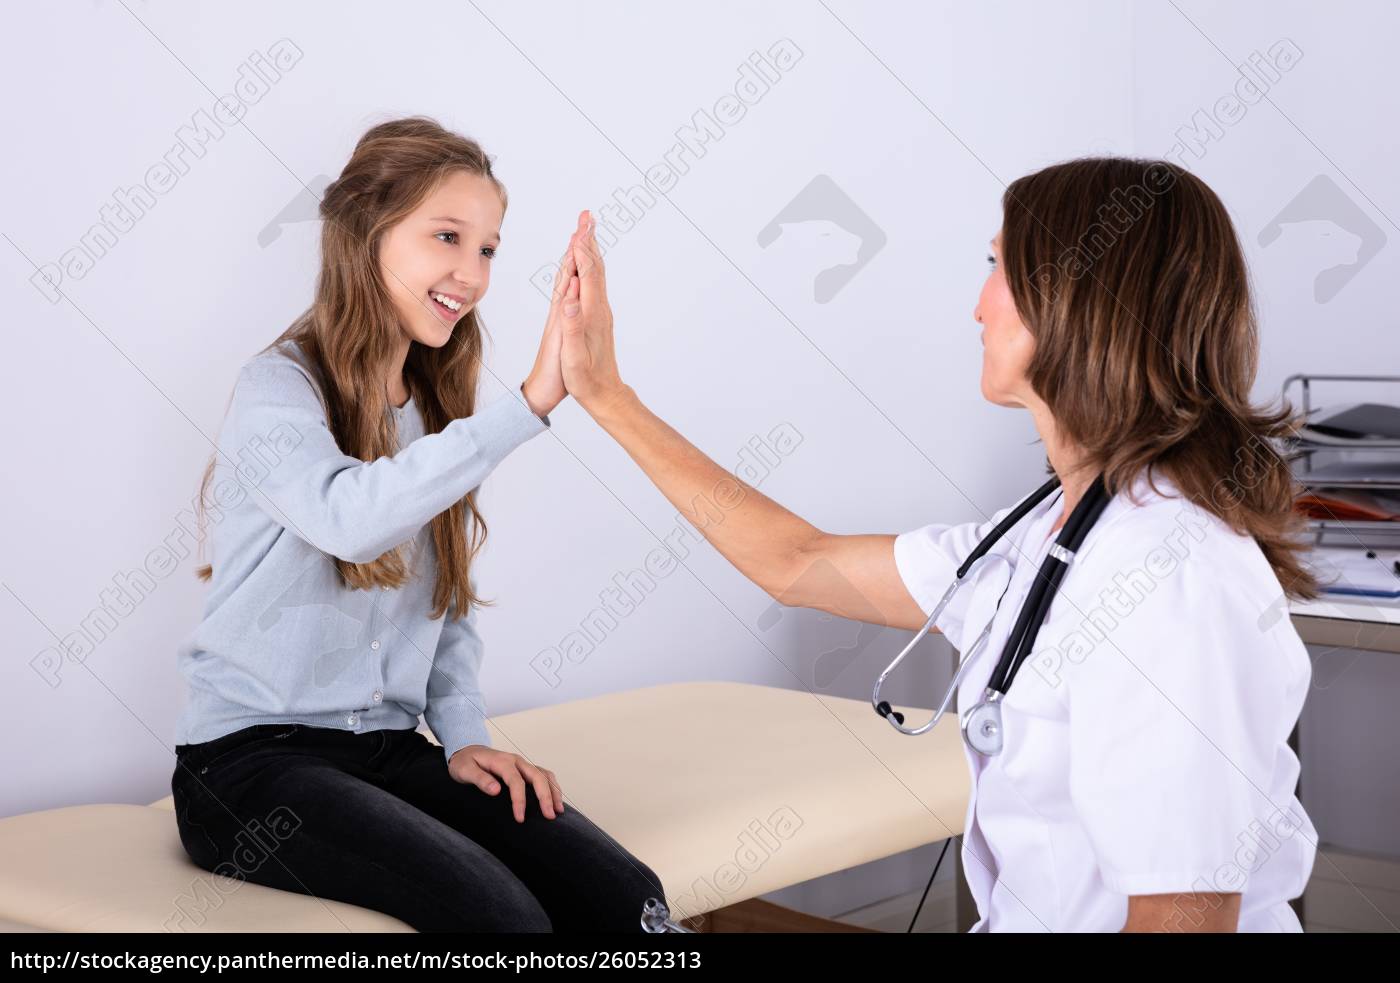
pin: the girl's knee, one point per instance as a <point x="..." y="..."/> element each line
<point x="629" y="884"/>
<point x="646" y="882"/>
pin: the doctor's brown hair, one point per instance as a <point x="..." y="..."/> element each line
<point x="350" y="331"/>
<point x="1129" y="275"/>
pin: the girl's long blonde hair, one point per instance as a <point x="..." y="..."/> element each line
<point x="349" y="333"/>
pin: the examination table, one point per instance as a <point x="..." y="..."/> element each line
<point x="726" y="790"/>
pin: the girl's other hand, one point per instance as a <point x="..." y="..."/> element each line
<point x="478" y="765"/>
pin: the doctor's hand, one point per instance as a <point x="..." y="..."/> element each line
<point x="544" y="388"/>
<point x="479" y="765"/>
<point x="587" y="357"/>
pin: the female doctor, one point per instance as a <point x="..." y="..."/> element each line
<point x="1141" y="778"/>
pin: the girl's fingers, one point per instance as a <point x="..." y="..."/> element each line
<point x="567" y="268"/>
<point x="570" y="266"/>
<point x="561" y="274"/>
<point x="589" y="264"/>
<point x="556" y="790"/>
<point x="472" y="773"/>
<point x="510" y="774"/>
<point x="572" y="297"/>
<point x="543" y="792"/>
<point x="585" y="268"/>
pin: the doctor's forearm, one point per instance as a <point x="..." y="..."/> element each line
<point x="758" y="536"/>
<point x="1185" y="912"/>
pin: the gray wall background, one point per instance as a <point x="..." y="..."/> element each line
<point x="902" y="122"/>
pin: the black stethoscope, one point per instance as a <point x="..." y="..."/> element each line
<point x="981" y="725"/>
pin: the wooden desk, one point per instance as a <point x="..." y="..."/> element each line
<point x="1338" y="621"/>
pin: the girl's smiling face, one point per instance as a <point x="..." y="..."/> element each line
<point x="444" y="247"/>
<point x="1006" y="344"/>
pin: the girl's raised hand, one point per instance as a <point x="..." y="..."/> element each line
<point x="544" y="388"/>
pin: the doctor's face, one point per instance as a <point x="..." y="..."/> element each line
<point x="1006" y="344"/>
<point x="443" y="248"/>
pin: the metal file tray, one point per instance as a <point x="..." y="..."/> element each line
<point x="1324" y="461"/>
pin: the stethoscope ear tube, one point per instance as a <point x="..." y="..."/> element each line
<point x="1004" y="526"/>
<point x="1090" y="517"/>
<point x="1047" y="584"/>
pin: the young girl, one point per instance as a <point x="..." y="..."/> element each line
<point x="341" y="605"/>
<point x="1143" y="778"/>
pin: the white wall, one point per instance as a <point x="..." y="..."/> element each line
<point x="127" y="379"/>
<point x="1322" y="133"/>
<point x="114" y="392"/>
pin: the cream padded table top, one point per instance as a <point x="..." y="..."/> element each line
<point x="726" y="790"/>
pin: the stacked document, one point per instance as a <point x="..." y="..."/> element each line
<point x="1355" y="425"/>
<point x="1363" y="572"/>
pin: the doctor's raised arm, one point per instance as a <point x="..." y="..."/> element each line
<point x="799" y="565"/>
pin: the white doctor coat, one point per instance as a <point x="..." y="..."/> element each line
<point x="1145" y="738"/>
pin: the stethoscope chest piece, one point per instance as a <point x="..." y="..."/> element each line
<point x="981" y="726"/>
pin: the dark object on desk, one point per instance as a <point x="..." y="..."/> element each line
<point x="1381" y="475"/>
<point x="1360" y="421"/>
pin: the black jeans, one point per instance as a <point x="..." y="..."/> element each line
<point x="374" y="819"/>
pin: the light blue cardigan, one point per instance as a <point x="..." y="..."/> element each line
<point x="281" y="641"/>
